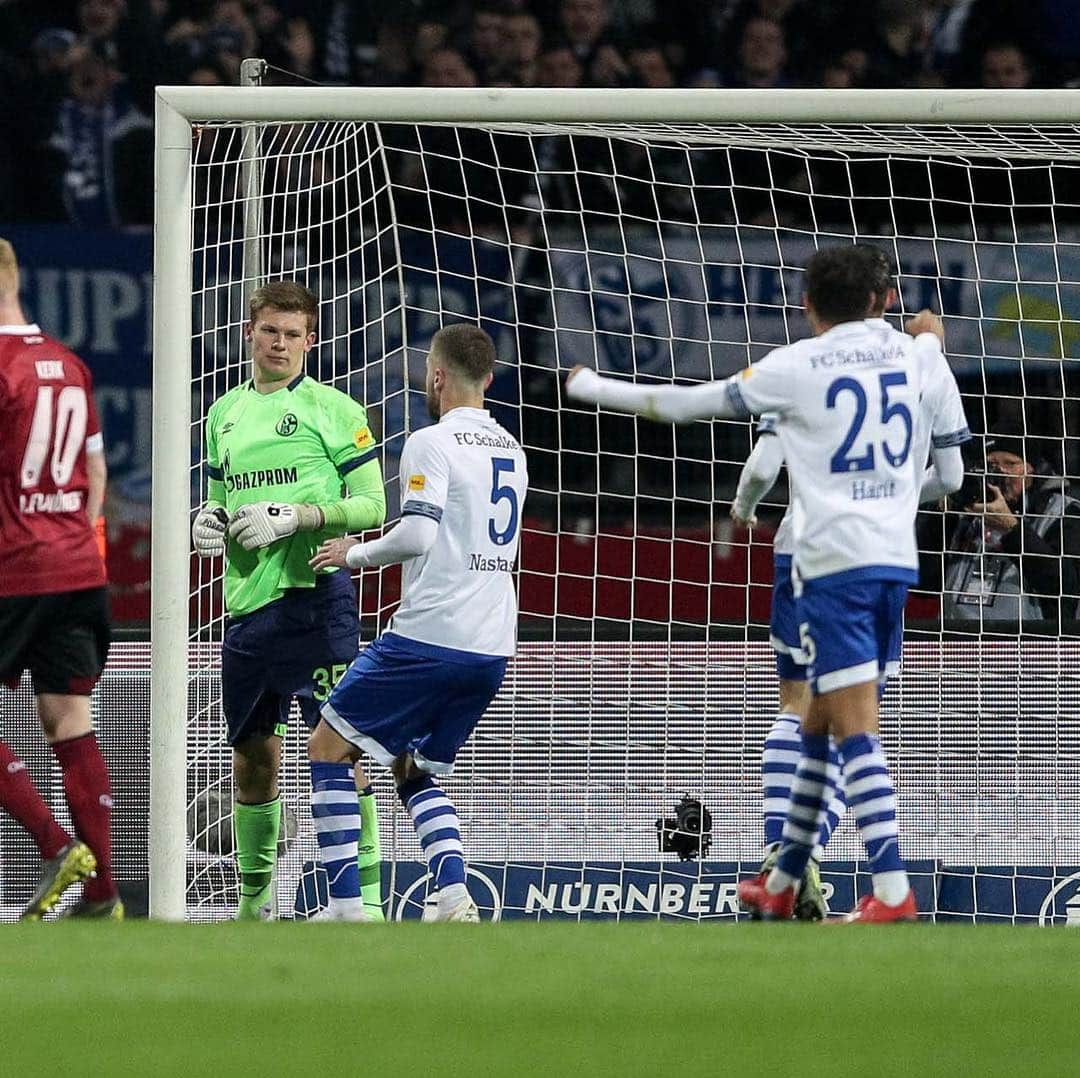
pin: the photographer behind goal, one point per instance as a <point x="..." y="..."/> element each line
<point x="1010" y="539"/>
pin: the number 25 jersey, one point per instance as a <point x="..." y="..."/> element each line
<point x="467" y="474"/>
<point x="49" y="422"/>
<point x="860" y="406"/>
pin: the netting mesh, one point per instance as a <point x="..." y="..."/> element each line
<point x="589" y="741"/>
<point x="663" y="251"/>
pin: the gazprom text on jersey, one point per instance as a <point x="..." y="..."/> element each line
<point x="263" y="477"/>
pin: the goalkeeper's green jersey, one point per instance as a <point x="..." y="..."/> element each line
<point x="304" y="443"/>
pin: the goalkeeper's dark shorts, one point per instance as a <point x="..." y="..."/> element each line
<point x="295" y="647"/>
<point x="62" y="639"/>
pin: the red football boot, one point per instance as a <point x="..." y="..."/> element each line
<point x="873" y="911"/>
<point x="762" y="906"/>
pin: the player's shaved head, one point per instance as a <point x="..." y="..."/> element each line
<point x="466" y="350"/>
<point x="846" y="284"/>
<point x="9" y="271"/>
<point x="289" y="296"/>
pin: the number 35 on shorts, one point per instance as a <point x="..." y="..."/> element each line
<point x="326" y="678"/>
<point x="806" y="641"/>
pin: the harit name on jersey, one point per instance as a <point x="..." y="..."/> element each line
<point x="478" y="563"/>
<point x="487" y="441"/>
<point x="862" y="491"/>
<point x="264" y="477"/>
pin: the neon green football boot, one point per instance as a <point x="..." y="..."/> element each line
<point x="108" y="909"/>
<point x="73" y="864"/>
<point x="810" y="904"/>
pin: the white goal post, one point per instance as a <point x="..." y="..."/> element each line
<point x="1034" y="124"/>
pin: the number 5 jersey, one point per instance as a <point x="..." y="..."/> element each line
<point x="467" y="474"/>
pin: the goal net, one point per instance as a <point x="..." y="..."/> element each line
<point x="661" y="250"/>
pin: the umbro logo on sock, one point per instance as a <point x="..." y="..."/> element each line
<point x="16" y="765"/>
<point x="105" y="800"/>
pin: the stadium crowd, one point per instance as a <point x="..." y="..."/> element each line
<point x="77" y="76"/>
<point x="77" y="80"/>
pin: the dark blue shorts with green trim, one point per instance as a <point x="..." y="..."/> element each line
<point x="297" y="646"/>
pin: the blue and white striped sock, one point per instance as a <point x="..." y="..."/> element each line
<point x="872" y="800"/>
<point x="336" y="814"/>
<point x="837" y="804"/>
<point x="437" y="828"/>
<point x="779" y="759"/>
<point x="806" y="812"/>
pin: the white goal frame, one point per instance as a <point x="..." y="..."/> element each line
<point x="178" y="108"/>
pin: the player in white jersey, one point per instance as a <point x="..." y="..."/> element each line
<point x="852" y="402"/>
<point x="411" y="698"/>
<point x="783" y="743"/>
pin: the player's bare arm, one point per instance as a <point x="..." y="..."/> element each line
<point x="412" y="537"/>
<point x="574" y="372"/>
<point x="332" y="554"/>
<point x="926" y="322"/>
<point x="97" y="475"/>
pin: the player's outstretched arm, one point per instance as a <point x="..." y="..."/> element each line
<point x="663" y="404"/>
<point x="412" y="537"/>
<point x="759" y="473"/>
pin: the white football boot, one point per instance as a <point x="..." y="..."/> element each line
<point x="464" y="911"/>
<point x="336" y="912"/>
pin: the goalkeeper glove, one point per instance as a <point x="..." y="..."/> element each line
<point x="263" y="523"/>
<point x="208" y="531"/>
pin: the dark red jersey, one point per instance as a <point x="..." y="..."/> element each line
<point x="48" y="422"/>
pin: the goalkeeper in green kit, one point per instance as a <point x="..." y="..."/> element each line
<point x="290" y="463"/>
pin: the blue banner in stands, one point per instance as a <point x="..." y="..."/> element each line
<point x="92" y="290"/>
<point x="689" y="308"/>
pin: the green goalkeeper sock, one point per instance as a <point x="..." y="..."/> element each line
<point x="256" y="828"/>
<point x="369" y="857"/>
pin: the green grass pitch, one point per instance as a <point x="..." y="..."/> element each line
<point x="523" y="999"/>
